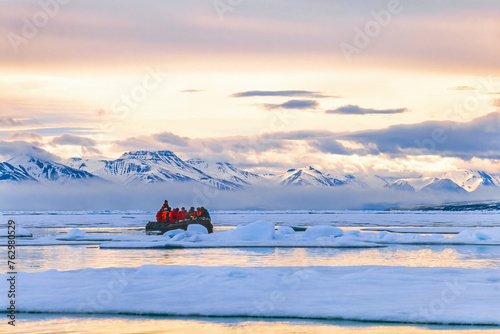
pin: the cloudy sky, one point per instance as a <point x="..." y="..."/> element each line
<point x="395" y="86"/>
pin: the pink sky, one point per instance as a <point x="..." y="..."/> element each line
<point x="99" y="78"/>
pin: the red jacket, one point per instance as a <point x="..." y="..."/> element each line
<point x="159" y="217"/>
<point x="182" y="215"/>
<point x="165" y="216"/>
<point x="173" y="216"/>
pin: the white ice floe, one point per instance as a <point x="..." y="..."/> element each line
<point x="419" y="230"/>
<point x="370" y="293"/>
<point x="278" y="217"/>
<point x="482" y="236"/>
<point x="195" y="228"/>
<point x="19" y="232"/>
<point x="315" y="232"/>
<point x="486" y="235"/>
<point x="264" y="234"/>
<point x="52" y="241"/>
<point x="75" y="234"/>
<point x="257" y="234"/>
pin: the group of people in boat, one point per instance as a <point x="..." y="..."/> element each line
<point x="169" y="215"/>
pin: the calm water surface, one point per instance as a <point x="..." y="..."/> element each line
<point x="31" y="259"/>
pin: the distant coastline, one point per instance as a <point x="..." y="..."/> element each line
<point x="461" y="206"/>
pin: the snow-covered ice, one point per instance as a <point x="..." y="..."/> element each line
<point x="373" y="293"/>
<point x="135" y="218"/>
<point x="480" y="236"/>
<point x="20" y="232"/>
<point x="76" y="234"/>
<point x="419" y="230"/>
<point x="265" y="234"/>
<point x="256" y="234"/>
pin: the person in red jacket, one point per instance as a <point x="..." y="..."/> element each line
<point x="192" y="213"/>
<point x="198" y="212"/>
<point x="182" y="214"/>
<point x="166" y="215"/>
<point x="173" y="215"/>
<point x="165" y="205"/>
<point x="159" y="216"/>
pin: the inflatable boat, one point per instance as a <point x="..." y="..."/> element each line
<point x="183" y="224"/>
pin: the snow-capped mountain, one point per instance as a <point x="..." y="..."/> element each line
<point x="146" y="167"/>
<point x="29" y="168"/>
<point x="312" y="177"/>
<point x="225" y="171"/>
<point x="401" y="185"/>
<point x="443" y="185"/>
<point x="88" y="165"/>
<point x="456" y="181"/>
<point x="470" y="180"/>
<point x="411" y="184"/>
<point x="14" y="174"/>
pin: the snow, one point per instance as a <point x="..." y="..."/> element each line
<point x="138" y="218"/>
<point x="315" y="232"/>
<point x="47" y="171"/>
<point x="470" y="180"/>
<point x="19" y="230"/>
<point x="424" y="230"/>
<point x="81" y="219"/>
<point x="172" y="233"/>
<point x="88" y="165"/>
<point x="197" y="229"/>
<point x="257" y="234"/>
<point x="485" y="234"/>
<point x="265" y="234"/>
<point x="75" y="233"/>
<point x="368" y="293"/>
<point x="225" y="171"/>
<point x="147" y="167"/>
<point x="417" y="183"/>
<point x="257" y="231"/>
<point x="312" y="177"/>
<point x="285" y="230"/>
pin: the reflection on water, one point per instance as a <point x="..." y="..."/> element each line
<point x="35" y="259"/>
<point x="50" y="324"/>
<point x="77" y="257"/>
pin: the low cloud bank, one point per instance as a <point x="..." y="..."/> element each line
<point x="149" y="197"/>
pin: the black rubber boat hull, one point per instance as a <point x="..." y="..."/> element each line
<point x="165" y="227"/>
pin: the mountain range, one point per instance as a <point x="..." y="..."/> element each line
<point x="150" y="167"/>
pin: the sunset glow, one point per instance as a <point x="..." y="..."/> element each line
<point x="119" y="78"/>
